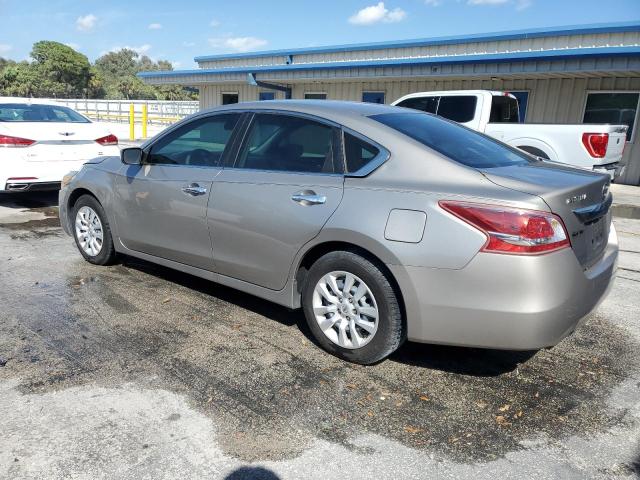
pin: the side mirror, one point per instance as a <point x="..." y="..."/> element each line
<point x="131" y="156"/>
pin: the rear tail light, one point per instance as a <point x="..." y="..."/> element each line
<point x="514" y="231"/>
<point x="7" y="141"/>
<point x="596" y="144"/>
<point x="108" y="140"/>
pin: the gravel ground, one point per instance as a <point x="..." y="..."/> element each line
<point x="136" y="371"/>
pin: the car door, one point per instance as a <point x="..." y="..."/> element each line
<point x="162" y="204"/>
<point x="278" y="193"/>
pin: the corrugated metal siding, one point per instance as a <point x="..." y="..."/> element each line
<point x="551" y="100"/>
<point x="476" y="48"/>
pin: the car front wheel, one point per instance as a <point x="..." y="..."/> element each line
<point x="91" y="231"/>
<point x="351" y="308"/>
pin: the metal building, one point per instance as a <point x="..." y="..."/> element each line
<point x="554" y="72"/>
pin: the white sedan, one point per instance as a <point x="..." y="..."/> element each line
<point x="41" y="141"/>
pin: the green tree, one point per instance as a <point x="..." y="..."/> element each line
<point x="59" y="69"/>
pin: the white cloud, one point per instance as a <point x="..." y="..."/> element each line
<point x="377" y="13"/>
<point x="4" y="48"/>
<point x="433" y="3"/>
<point x="238" y="44"/>
<point x="155" y="26"/>
<point x="141" y="50"/>
<point x="215" y="23"/>
<point x="188" y="44"/>
<point x="86" y="23"/>
<point x="75" y="46"/>
<point x="176" y="64"/>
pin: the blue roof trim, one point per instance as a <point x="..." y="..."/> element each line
<point x="484" y="58"/>
<point x="476" y="37"/>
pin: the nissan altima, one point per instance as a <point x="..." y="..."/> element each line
<point x="382" y="223"/>
<point x="40" y="141"/>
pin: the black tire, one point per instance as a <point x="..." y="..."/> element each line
<point x="107" y="254"/>
<point x="390" y="333"/>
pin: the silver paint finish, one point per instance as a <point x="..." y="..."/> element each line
<point x="405" y="225"/>
<point x="248" y="233"/>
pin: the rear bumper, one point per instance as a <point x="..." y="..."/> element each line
<point x="505" y="301"/>
<point x="614" y="170"/>
<point x="13" y="186"/>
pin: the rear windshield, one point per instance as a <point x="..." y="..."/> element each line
<point x="454" y="141"/>
<point x="23" y="112"/>
<point x="504" y="110"/>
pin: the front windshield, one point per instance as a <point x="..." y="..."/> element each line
<point x="454" y="141"/>
<point x="24" y="112"/>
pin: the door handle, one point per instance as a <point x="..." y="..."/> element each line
<point x="194" y="190"/>
<point x="308" y="197"/>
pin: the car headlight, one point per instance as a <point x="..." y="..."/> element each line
<point x="67" y="178"/>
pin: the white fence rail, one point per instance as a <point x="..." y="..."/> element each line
<point x="160" y="112"/>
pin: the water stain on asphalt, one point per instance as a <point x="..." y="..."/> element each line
<point x="253" y="368"/>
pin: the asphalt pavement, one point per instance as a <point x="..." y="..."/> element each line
<point x="138" y="372"/>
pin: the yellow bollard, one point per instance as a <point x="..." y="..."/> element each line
<point x="145" y="119"/>
<point x="132" y="133"/>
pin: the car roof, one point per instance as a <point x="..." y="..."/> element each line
<point x="30" y="101"/>
<point x="335" y="110"/>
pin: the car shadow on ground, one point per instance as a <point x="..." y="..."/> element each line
<point x="252" y="473"/>
<point x="29" y="199"/>
<point x="465" y="361"/>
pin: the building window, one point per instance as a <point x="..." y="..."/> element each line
<point x="373" y="97"/>
<point x="229" y="98"/>
<point x="267" y="96"/>
<point x="315" y="96"/>
<point x="617" y="108"/>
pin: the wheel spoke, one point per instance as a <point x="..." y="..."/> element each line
<point x="360" y="291"/>
<point x="333" y="283"/>
<point x="368" y="326"/>
<point x="327" y="323"/>
<point x="356" y="340"/>
<point x="369" y="312"/>
<point x="348" y="283"/>
<point x="324" y="309"/>
<point x="342" y="335"/>
<point x="322" y="290"/>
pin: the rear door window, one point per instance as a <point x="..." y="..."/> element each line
<point x="504" y="110"/>
<point x="459" y="108"/>
<point x="289" y="144"/>
<point x="424" y="104"/>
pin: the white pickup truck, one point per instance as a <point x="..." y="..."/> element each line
<point x="597" y="147"/>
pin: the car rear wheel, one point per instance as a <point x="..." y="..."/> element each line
<point x="351" y="308"/>
<point x="91" y="231"/>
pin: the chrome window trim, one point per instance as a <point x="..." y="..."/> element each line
<point x="373" y="164"/>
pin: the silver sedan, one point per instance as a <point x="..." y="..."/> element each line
<point x="382" y="223"/>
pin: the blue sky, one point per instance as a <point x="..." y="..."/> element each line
<point x="178" y="31"/>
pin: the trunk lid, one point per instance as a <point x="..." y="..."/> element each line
<point x="57" y="141"/>
<point x="580" y="197"/>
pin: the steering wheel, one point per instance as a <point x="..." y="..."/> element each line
<point x="199" y="156"/>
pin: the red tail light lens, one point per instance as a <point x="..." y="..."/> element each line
<point x="513" y="231"/>
<point x="596" y="144"/>
<point x="7" y="141"/>
<point x="108" y="140"/>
